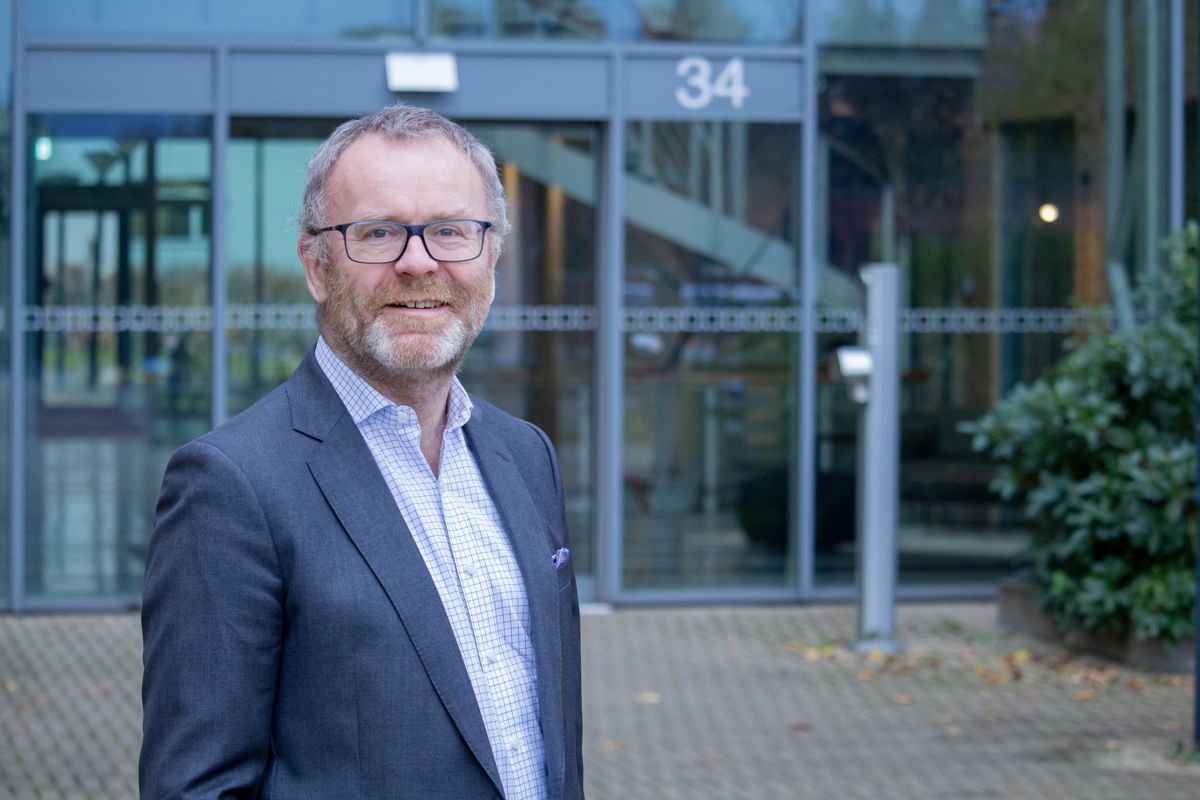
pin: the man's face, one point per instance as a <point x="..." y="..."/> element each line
<point x="415" y="315"/>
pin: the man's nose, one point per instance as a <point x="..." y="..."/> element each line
<point x="414" y="258"/>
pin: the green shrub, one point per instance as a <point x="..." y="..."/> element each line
<point x="1101" y="455"/>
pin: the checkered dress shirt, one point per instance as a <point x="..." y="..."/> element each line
<point x="458" y="530"/>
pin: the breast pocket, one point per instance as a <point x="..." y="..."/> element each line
<point x="566" y="576"/>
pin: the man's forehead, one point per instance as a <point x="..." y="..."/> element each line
<point x="436" y="172"/>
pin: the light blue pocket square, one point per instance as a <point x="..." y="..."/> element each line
<point x="561" y="557"/>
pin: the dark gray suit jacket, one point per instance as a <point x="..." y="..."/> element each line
<point x="295" y="644"/>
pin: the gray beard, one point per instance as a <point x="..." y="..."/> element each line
<point x="392" y="357"/>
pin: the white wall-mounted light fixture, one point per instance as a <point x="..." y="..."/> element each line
<point x="422" y="72"/>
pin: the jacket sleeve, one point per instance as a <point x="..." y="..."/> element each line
<point x="212" y="625"/>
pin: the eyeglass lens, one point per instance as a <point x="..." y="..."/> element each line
<point x="383" y="242"/>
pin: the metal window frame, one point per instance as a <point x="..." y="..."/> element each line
<point x="608" y="369"/>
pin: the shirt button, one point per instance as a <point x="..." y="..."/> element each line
<point x="469" y="569"/>
<point x="490" y="657"/>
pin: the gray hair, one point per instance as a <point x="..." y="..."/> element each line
<point x="401" y="122"/>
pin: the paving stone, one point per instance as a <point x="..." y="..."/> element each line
<point x="743" y="702"/>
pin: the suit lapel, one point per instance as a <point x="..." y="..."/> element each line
<point x="347" y="475"/>
<point x="532" y="546"/>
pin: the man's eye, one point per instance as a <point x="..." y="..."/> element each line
<point x="447" y="231"/>
<point x="379" y="233"/>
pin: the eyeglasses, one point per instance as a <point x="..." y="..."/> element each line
<point x="384" y="242"/>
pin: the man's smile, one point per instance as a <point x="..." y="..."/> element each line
<point x="418" y="304"/>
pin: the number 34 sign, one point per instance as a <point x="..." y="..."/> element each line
<point x="704" y="81"/>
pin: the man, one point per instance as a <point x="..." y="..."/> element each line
<point x="360" y="587"/>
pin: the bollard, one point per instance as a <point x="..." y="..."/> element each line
<point x="872" y="375"/>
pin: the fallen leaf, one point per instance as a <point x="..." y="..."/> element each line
<point x="901" y="699"/>
<point x="1136" y="684"/>
<point x="1177" y="681"/>
<point x="876" y="656"/>
<point x="866" y="675"/>
<point x="1085" y="694"/>
<point x="1016" y="658"/>
<point x="10" y="686"/>
<point x="943" y="719"/>
<point x="795" y="646"/>
<point x="801" y="726"/>
<point x="611" y="747"/>
<point x="1114" y="744"/>
<point x="648" y="698"/>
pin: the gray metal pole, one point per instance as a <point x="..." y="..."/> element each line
<point x="609" y="371"/>
<point x="219" y="250"/>
<point x="1115" y="179"/>
<point x="1176" y="157"/>
<point x="879" y="463"/>
<point x="1196" y="412"/>
<point x="1150" y="120"/>
<point x="812" y="233"/>
<point x="16" y="321"/>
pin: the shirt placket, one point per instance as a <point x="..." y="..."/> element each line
<point x="462" y="613"/>
<point x="472" y="540"/>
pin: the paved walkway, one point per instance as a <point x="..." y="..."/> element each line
<point x="710" y="703"/>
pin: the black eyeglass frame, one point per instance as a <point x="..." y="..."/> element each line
<point x="412" y="231"/>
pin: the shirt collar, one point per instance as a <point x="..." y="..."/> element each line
<point x="362" y="399"/>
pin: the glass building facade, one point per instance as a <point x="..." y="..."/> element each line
<point x="693" y="185"/>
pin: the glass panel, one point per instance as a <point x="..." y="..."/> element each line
<point x="263" y="19"/>
<point x="272" y="320"/>
<point x="518" y="19"/>
<point x="535" y="357"/>
<point x="751" y="21"/>
<point x="896" y="23"/>
<point x="117" y="338"/>
<point x="987" y="182"/>
<point x="710" y="412"/>
<point x="951" y="529"/>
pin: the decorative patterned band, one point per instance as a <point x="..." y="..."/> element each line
<point x="657" y="319"/>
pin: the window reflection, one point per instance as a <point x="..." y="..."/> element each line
<point x="273" y="322"/>
<point x="757" y="21"/>
<point x="262" y="19"/>
<point x="518" y="19"/>
<point x="118" y="336"/>
<point x="751" y="21"/>
<point x="711" y="213"/>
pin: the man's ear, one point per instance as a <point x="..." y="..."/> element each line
<point x="314" y="273"/>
